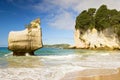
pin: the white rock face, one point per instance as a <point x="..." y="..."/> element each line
<point x="26" y="41"/>
<point x="94" y="39"/>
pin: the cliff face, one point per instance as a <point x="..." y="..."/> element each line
<point x="98" y="28"/>
<point x="94" y="39"/>
<point x="26" y="41"/>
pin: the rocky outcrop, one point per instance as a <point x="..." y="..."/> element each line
<point x="26" y="41"/>
<point x="93" y="39"/>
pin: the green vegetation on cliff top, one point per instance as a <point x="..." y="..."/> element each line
<point x="100" y="19"/>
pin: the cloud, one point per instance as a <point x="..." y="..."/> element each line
<point x="64" y="10"/>
<point x="78" y="5"/>
<point x="44" y="6"/>
<point x="65" y="4"/>
<point x="59" y="15"/>
<point x="65" y="20"/>
<point x="96" y="4"/>
<point x="48" y="5"/>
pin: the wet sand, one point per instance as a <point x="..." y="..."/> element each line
<point x="23" y="62"/>
<point x="94" y="74"/>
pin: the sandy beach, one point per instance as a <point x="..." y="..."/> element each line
<point x="94" y="74"/>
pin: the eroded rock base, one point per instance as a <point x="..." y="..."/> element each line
<point x="23" y="53"/>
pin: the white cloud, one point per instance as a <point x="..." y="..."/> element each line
<point x="44" y="6"/>
<point x="61" y="18"/>
<point x="65" y="3"/>
<point x="78" y="5"/>
<point x="47" y="5"/>
<point x="63" y="10"/>
<point x="65" y="20"/>
<point x="112" y="4"/>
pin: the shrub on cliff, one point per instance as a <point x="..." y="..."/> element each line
<point x="85" y="19"/>
<point x="100" y="19"/>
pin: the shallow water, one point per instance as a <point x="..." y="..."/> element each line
<point x="53" y="63"/>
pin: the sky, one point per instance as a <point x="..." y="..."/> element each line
<point x="57" y="17"/>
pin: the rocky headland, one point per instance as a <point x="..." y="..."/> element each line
<point x="26" y="41"/>
<point x="98" y="29"/>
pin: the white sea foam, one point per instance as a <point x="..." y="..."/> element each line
<point x="51" y="72"/>
<point x="61" y="56"/>
<point x="55" y="67"/>
<point x="45" y="73"/>
<point x="9" y="54"/>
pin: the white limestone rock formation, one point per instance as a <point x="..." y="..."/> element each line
<point x="94" y="39"/>
<point x="26" y="41"/>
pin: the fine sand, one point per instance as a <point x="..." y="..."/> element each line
<point x="94" y="74"/>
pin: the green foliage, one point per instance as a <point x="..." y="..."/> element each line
<point x="115" y="19"/>
<point x="100" y="19"/>
<point x="85" y="19"/>
<point x="28" y="26"/>
<point x="91" y="11"/>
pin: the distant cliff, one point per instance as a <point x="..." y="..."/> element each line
<point x="98" y="29"/>
<point x="57" y="46"/>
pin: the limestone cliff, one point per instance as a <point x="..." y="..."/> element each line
<point x="26" y="41"/>
<point x="94" y="39"/>
<point x="98" y="28"/>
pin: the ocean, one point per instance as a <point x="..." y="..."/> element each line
<point x="54" y="63"/>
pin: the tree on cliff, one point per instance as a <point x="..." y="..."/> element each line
<point x="85" y="19"/>
<point x="115" y="22"/>
<point x="101" y="19"/>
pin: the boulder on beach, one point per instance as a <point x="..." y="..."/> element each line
<point x="26" y="41"/>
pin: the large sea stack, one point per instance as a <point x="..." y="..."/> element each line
<point x="98" y="29"/>
<point x="26" y="41"/>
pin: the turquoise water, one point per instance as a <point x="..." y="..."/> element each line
<point x="56" y="56"/>
<point x="48" y="51"/>
<point x="59" y="52"/>
<point x="3" y="51"/>
<point x="41" y="52"/>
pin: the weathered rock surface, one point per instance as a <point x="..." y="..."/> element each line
<point x="26" y="41"/>
<point x="94" y="39"/>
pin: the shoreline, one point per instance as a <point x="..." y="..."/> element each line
<point x="89" y="48"/>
